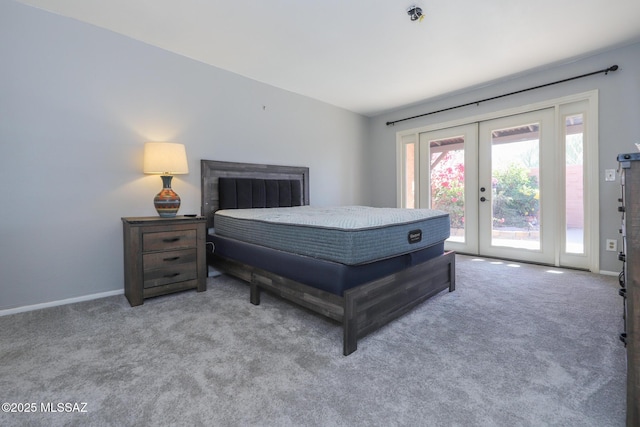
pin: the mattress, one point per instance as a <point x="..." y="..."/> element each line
<point x="329" y="276"/>
<point x="350" y="235"/>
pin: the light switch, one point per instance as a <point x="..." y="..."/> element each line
<point x="609" y="174"/>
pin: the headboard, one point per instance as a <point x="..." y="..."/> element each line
<point x="212" y="170"/>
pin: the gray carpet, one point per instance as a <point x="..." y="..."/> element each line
<point x="514" y="345"/>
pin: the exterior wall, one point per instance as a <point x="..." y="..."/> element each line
<point x="575" y="200"/>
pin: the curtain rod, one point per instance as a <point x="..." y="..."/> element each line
<point x="605" y="71"/>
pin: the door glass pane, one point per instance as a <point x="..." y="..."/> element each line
<point x="574" y="190"/>
<point x="447" y="182"/>
<point x="515" y="192"/>
<point x="409" y="178"/>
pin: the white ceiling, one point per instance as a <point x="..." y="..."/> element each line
<point x="368" y="56"/>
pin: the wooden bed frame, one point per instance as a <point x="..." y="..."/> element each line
<point x="362" y="309"/>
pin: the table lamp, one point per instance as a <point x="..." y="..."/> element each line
<point x="166" y="159"/>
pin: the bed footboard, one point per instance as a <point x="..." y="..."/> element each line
<point x="374" y="304"/>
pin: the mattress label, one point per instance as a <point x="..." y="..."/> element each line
<point x="414" y="236"/>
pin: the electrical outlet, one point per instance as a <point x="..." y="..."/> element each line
<point x="609" y="174"/>
<point x="612" y="245"/>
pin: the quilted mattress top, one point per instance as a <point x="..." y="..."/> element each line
<point x="346" y="234"/>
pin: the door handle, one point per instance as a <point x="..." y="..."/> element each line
<point x="483" y="199"/>
<point x="482" y="189"/>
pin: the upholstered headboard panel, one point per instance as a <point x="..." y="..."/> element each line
<point x="243" y="193"/>
<point x="212" y="171"/>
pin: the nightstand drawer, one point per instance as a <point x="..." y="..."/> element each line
<point x="167" y="240"/>
<point x="154" y="260"/>
<point x="171" y="274"/>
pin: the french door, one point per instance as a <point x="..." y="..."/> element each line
<point x="517" y="180"/>
<point x="500" y="180"/>
<point x="448" y="175"/>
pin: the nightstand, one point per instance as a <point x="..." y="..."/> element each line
<point x="163" y="255"/>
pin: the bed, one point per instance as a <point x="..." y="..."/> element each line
<point x="350" y="273"/>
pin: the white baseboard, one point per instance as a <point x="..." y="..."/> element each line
<point x="609" y="273"/>
<point x="212" y="272"/>
<point x="59" y="302"/>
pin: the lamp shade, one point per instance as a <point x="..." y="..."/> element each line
<point x="165" y="158"/>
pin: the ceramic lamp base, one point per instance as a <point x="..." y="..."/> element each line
<point x="167" y="201"/>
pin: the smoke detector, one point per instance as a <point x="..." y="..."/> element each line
<point x="415" y="13"/>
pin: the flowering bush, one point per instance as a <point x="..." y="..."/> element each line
<point x="447" y="188"/>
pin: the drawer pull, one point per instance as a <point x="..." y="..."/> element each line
<point x="175" y="239"/>
<point x="175" y="258"/>
<point x="171" y="275"/>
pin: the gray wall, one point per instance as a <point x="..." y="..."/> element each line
<point x="77" y="104"/>
<point x="619" y="124"/>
